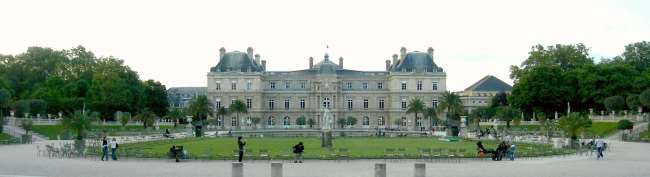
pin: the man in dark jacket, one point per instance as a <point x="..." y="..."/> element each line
<point x="241" y="143"/>
<point x="298" y="150"/>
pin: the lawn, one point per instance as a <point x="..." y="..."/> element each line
<point x="52" y="131"/>
<point x="645" y="135"/>
<point x="602" y="129"/>
<point x="279" y="147"/>
<point x="4" y="136"/>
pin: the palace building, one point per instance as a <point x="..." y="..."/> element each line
<point x="376" y="99"/>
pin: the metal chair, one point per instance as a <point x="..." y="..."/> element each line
<point x="264" y="154"/>
<point x="401" y="152"/>
<point x="389" y="153"/>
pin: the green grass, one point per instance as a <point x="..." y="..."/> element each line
<point x="645" y="135"/>
<point x="52" y="131"/>
<point x="359" y="147"/>
<point x="602" y="129"/>
<point x="4" y="136"/>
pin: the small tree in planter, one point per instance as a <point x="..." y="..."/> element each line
<point x="573" y="124"/>
<point x="124" y="119"/>
<point x="256" y="121"/>
<point x="311" y="122"/>
<point x="301" y="121"/>
<point x="341" y="122"/>
<point x="79" y="123"/>
<point x="351" y="121"/>
<point x="27" y="125"/>
<point x="625" y="125"/>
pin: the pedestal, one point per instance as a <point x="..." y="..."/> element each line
<point x="380" y="170"/>
<point x="420" y="170"/>
<point x="276" y="169"/>
<point x="326" y="139"/>
<point x="237" y="169"/>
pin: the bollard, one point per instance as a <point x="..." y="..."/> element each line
<point x="420" y="170"/>
<point x="276" y="169"/>
<point x="380" y="170"/>
<point x="237" y="169"/>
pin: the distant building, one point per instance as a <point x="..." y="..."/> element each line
<point x="377" y="99"/>
<point x="180" y="97"/>
<point x="480" y="93"/>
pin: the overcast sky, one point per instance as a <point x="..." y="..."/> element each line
<point x="176" y="42"/>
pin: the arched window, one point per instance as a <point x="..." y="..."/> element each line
<point x="270" y="121"/>
<point x="366" y="120"/>
<point x="286" y="121"/>
<point x="380" y="121"/>
<point x="418" y="122"/>
<point x="326" y="102"/>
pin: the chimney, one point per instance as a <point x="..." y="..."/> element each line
<point x="341" y="62"/>
<point x="222" y="51"/>
<point x="249" y="51"/>
<point x="430" y="51"/>
<point x="402" y="53"/>
<point x="387" y="65"/>
<point x="394" y="59"/>
<point x="263" y="65"/>
<point x="257" y="58"/>
<point x="311" y="62"/>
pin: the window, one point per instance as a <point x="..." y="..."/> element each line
<point x="403" y="104"/>
<point x="380" y="85"/>
<point x="302" y="84"/>
<point x="365" y="85"/>
<point x="233" y="85"/>
<point x="419" y="85"/>
<point x="403" y="85"/>
<point x="217" y="85"/>
<point x="233" y="121"/>
<point x="272" y="84"/>
<point x="380" y="121"/>
<point x="249" y="85"/>
<point x="286" y="121"/>
<point x="326" y="102"/>
<point x="434" y="104"/>
<point x="219" y="121"/>
<point x="287" y="84"/>
<point x="365" y="121"/>
<point x="249" y="103"/>
<point x="381" y="104"/>
<point x="418" y="122"/>
<point x="435" y="85"/>
<point x="403" y="121"/>
<point x="349" y="104"/>
<point x="348" y="85"/>
<point x="302" y="103"/>
<point x="365" y="103"/>
<point x="270" y="121"/>
<point x="271" y="104"/>
<point x="286" y="104"/>
<point x="217" y="103"/>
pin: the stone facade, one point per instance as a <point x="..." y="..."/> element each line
<point x="375" y="98"/>
<point x="480" y="93"/>
<point x="180" y="97"/>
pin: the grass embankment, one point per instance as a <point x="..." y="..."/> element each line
<point x="358" y="147"/>
<point x="4" y="136"/>
<point x="54" y="131"/>
<point x="601" y="129"/>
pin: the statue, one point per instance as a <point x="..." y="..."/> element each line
<point x="327" y="121"/>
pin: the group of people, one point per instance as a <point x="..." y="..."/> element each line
<point x="106" y="145"/>
<point x="599" y="145"/>
<point x="298" y="150"/>
<point x="488" y="131"/>
<point x="503" y="150"/>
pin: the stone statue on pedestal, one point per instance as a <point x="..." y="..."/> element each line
<point x="326" y="128"/>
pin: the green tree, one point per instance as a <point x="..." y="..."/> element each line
<point x="507" y="113"/>
<point x="351" y="121"/>
<point x="200" y="108"/>
<point x="614" y="103"/>
<point x="238" y="107"/>
<point x="175" y="115"/>
<point x="21" y="107"/>
<point x="147" y="117"/>
<point x="450" y="103"/>
<point x="311" y="122"/>
<point x="638" y="55"/>
<point x="37" y="106"/>
<point x="644" y="98"/>
<point x="573" y="124"/>
<point x="415" y="106"/>
<point x="79" y="122"/>
<point x="222" y="112"/>
<point x="301" y="120"/>
<point x="481" y="113"/>
<point x="27" y="125"/>
<point x="625" y="125"/>
<point x="155" y="97"/>
<point x="124" y="119"/>
<point x="342" y="122"/>
<point x="500" y="99"/>
<point x="5" y="97"/>
<point x="432" y="115"/>
<point x="633" y="103"/>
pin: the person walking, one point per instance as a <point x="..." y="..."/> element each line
<point x="241" y="143"/>
<point x="600" y="146"/>
<point x="298" y="151"/>
<point x="511" y="152"/>
<point x="114" y="146"/>
<point x="104" y="148"/>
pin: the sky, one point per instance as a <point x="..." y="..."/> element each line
<point x="176" y="42"/>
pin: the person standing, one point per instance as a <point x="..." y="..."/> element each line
<point x="114" y="146"/>
<point x="298" y="151"/>
<point x="600" y="145"/>
<point x="241" y="143"/>
<point x="104" y="149"/>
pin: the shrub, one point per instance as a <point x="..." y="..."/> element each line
<point x="625" y="125"/>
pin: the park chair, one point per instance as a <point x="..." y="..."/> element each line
<point x="461" y="154"/>
<point x="344" y="153"/>
<point x="264" y="154"/>
<point x="425" y="153"/>
<point x="401" y="152"/>
<point x="451" y="154"/>
<point x="389" y="153"/>
<point x="436" y="153"/>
